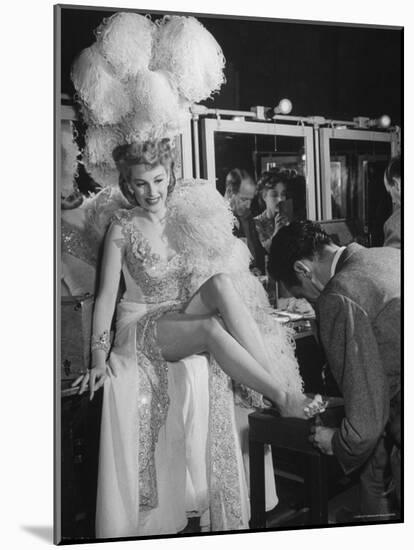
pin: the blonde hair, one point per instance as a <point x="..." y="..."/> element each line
<point x="151" y="154"/>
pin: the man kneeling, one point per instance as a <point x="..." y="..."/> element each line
<point x="356" y="292"/>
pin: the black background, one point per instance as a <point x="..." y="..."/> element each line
<point x="329" y="70"/>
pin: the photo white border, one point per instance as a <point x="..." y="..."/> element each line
<point x="27" y="269"/>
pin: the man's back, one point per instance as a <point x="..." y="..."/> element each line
<point x="360" y="314"/>
<point x="369" y="278"/>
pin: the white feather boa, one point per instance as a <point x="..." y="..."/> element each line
<point x="200" y="226"/>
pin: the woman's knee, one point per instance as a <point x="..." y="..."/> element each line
<point x="212" y="326"/>
<point x="218" y="285"/>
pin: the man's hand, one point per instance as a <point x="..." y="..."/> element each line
<point x="321" y="438"/>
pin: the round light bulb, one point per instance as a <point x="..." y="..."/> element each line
<point x="384" y="121"/>
<point x="285" y="106"/>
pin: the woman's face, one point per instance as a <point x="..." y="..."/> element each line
<point x="149" y="186"/>
<point x="273" y="197"/>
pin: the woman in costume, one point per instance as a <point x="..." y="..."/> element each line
<point x="83" y="221"/>
<point x="188" y="291"/>
<point x="176" y="305"/>
<point x="79" y="248"/>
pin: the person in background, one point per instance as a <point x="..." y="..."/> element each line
<point x="240" y="191"/>
<point x="79" y="242"/>
<point x="84" y="218"/>
<point x="392" y="182"/>
<point x="272" y="188"/>
<point x="358" y="301"/>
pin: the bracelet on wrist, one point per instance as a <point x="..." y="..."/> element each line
<point x="101" y="341"/>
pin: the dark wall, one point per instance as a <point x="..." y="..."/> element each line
<point x="327" y="70"/>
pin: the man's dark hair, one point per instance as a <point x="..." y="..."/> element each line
<point x="296" y="241"/>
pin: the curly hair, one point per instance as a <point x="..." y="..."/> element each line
<point x="268" y="180"/>
<point x="299" y="240"/>
<point x="149" y="153"/>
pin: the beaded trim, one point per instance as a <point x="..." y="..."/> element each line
<point x="101" y="341"/>
<point x="224" y="483"/>
<point x="153" y="400"/>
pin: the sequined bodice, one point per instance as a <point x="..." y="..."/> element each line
<point x="82" y="244"/>
<point x="159" y="280"/>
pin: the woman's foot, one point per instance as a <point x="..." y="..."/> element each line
<point x="316" y="406"/>
<point x="301" y="406"/>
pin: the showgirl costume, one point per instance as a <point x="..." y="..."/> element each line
<point x="170" y="444"/>
<point x="78" y="252"/>
<point x="82" y="228"/>
<point x="146" y="421"/>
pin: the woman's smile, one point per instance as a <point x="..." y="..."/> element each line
<point x="152" y="201"/>
<point x="149" y="185"/>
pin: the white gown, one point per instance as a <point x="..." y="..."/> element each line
<point x="170" y="444"/>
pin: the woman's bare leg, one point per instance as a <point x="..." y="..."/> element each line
<point x="183" y="334"/>
<point x="218" y="295"/>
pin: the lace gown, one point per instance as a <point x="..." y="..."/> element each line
<point x="170" y="444"/>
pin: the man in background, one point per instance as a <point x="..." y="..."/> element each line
<point x="356" y="292"/>
<point x="392" y="182"/>
<point x="240" y="191"/>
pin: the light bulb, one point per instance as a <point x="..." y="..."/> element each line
<point x="284" y="107"/>
<point x="384" y="121"/>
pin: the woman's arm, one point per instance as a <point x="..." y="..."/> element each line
<point x="104" y="308"/>
<point x="108" y="289"/>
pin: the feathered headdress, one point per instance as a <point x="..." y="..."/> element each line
<point x="138" y="81"/>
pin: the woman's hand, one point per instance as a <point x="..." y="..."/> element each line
<point x="94" y="378"/>
<point x="280" y="221"/>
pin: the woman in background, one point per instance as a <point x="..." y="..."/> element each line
<point x="273" y="190"/>
<point x="84" y="220"/>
